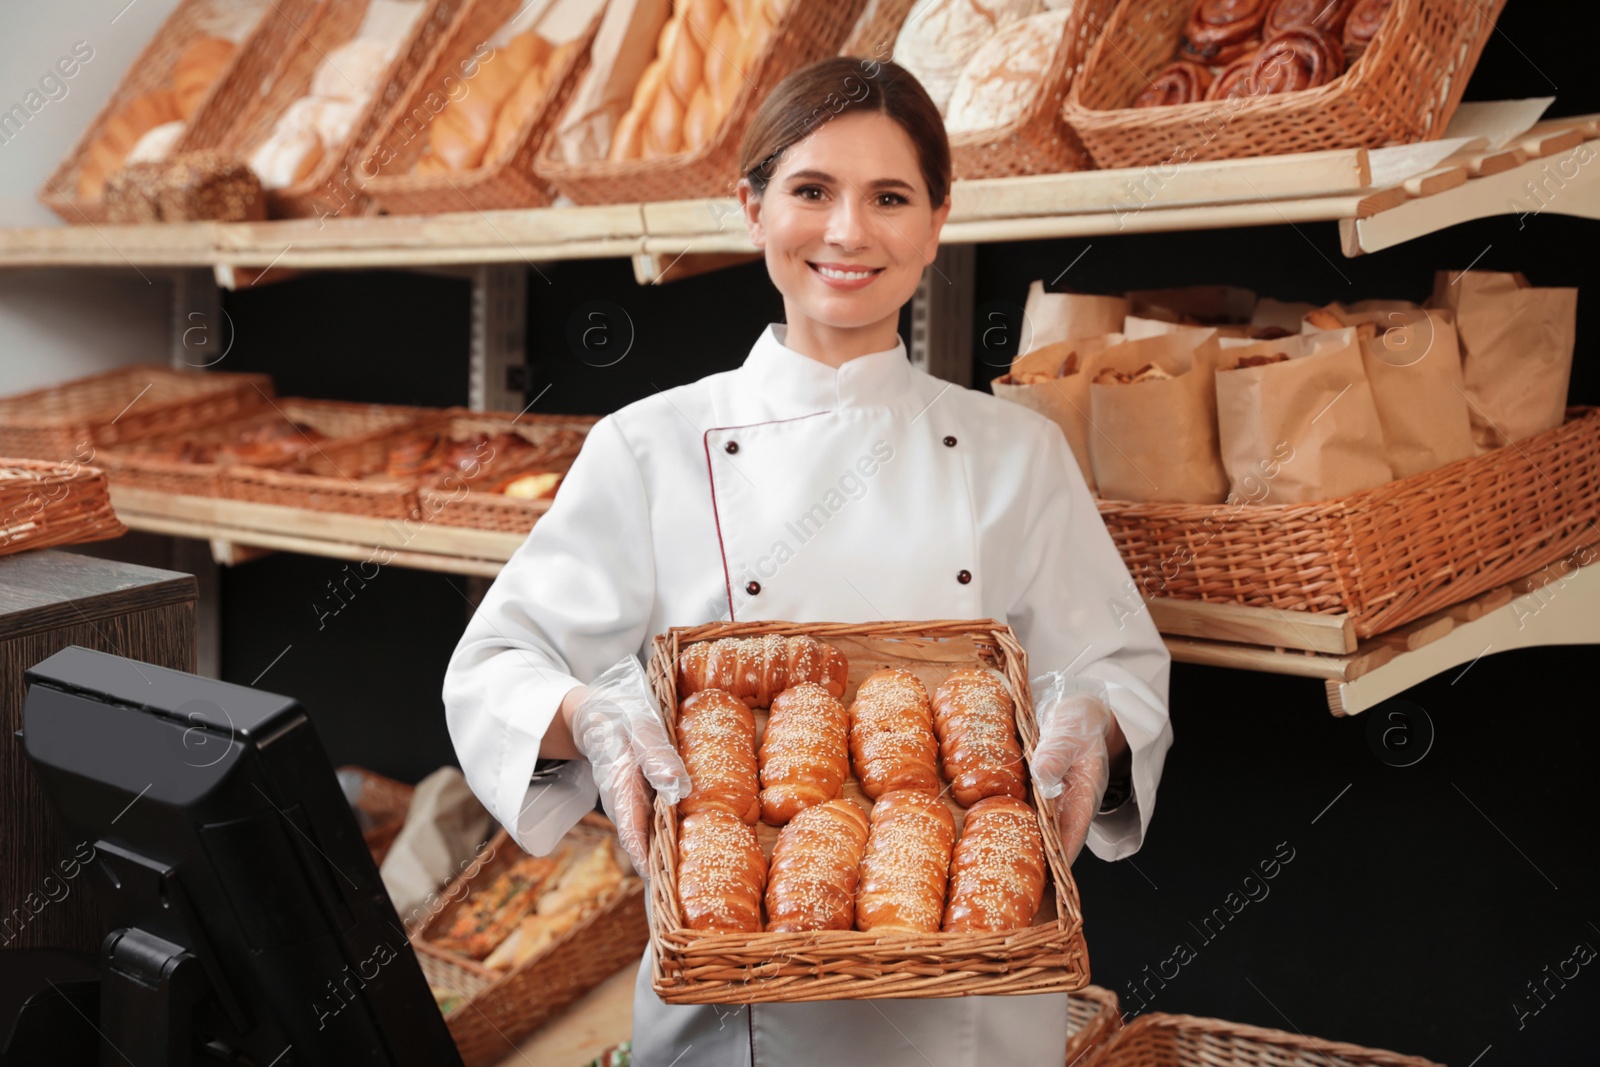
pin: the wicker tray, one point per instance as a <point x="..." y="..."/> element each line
<point x="146" y="464"/>
<point x="1093" y="1015"/>
<point x="331" y="189"/>
<point x="806" y="31"/>
<point x="128" y="404"/>
<point x="44" y="504"/>
<point x="502" y="1007"/>
<point x="1039" y="141"/>
<point x="453" y="501"/>
<point x="386" y="803"/>
<point x="1404" y="88"/>
<point x="349" y="476"/>
<point x="273" y="35"/>
<point x="691" y="967"/>
<point x="1157" y="1040"/>
<point x="507" y="182"/>
<point x="1385" y="556"/>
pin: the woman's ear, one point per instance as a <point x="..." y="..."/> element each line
<point x="750" y="206"/>
<point x="940" y="214"/>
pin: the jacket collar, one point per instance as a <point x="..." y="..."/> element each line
<point x="790" y="383"/>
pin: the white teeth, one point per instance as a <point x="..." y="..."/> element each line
<point x="845" y="276"/>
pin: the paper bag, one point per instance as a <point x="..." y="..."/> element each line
<point x="1052" y="317"/>
<point x="1301" y="430"/>
<point x="1063" y="398"/>
<point x="444" y="827"/>
<point x="1516" y="351"/>
<point x="623" y="46"/>
<point x="1157" y="440"/>
<point x="1413" y="364"/>
<point x="1134" y="328"/>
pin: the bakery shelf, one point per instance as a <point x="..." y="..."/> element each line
<point x="1557" y="605"/>
<point x="1308" y="187"/>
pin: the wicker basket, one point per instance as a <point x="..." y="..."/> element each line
<point x="692" y="967"/>
<point x="1403" y="89"/>
<point x="44" y="504"/>
<point x="1093" y="1015"/>
<point x="128" y="404"/>
<point x="1157" y="1040"/>
<point x="272" y="36"/>
<point x="386" y="803"/>
<point x="808" y="30"/>
<point x="148" y="464"/>
<point x="501" y="1007"/>
<point x="1039" y="141"/>
<point x="1384" y="556"/>
<point x="507" y="182"/>
<point x="349" y="476"/>
<point x="453" y="501"/>
<point x="331" y="189"/>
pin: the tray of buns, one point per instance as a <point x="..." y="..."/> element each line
<point x="492" y="470"/>
<point x="464" y="134"/>
<point x="73" y="419"/>
<point x="520" y="937"/>
<point x="711" y="64"/>
<point x="303" y="125"/>
<point x="178" y="96"/>
<point x="862" y="824"/>
<point x="193" y="462"/>
<point x="1171" y="81"/>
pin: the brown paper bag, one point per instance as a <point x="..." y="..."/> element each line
<point x="1064" y="398"/>
<point x="1135" y="328"/>
<point x="1157" y="440"/>
<point x="1052" y="317"/>
<point x="1200" y="305"/>
<point x="623" y="46"/>
<point x="1301" y="430"/>
<point x="1516" y="351"/>
<point x="1413" y="364"/>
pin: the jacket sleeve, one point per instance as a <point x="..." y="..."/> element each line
<point x="575" y="598"/>
<point x="1078" y="609"/>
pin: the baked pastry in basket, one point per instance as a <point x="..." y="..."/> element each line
<point x="997" y="870"/>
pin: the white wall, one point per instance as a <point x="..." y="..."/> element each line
<point x="65" y="323"/>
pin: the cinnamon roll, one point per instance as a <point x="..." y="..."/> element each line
<point x="1362" y="25"/>
<point x="1181" y="82"/>
<point x="1325" y="15"/>
<point x="1294" y="60"/>
<point x="1233" y="79"/>
<point x="1220" y="31"/>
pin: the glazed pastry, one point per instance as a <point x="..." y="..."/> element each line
<point x="977" y="727"/>
<point x="891" y="734"/>
<point x="721" y="873"/>
<point x="997" y="872"/>
<point x="1232" y="81"/>
<point x="1293" y="60"/>
<point x="811" y="884"/>
<point x="1220" y="31"/>
<point x="1181" y="82"/>
<point x="757" y="669"/>
<point x="805" y="753"/>
<point x="1325" y="15"/>
<point x="1362" y="25"/>
<point x="717" y="739"/>
<point x="906" y="863"/>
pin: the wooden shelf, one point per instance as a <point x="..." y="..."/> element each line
<point x="1271" y="190"/>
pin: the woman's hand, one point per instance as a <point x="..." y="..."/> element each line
<point x="616" y="727"/>
<point x="1079" y="739"/>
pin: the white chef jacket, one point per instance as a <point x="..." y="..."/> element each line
<point x="788" y="489"/>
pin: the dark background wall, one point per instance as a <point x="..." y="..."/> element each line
<point x="1419" y="901"/>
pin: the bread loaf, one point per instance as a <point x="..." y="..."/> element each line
<point x="122" y="131"/>
<point x="201" y="64"/>
<point x="1004" y="75"/>
<point x="721" y="873"/>
<point x="816" y="867"/>
<point x="997" y="870"/>
<point x="939" y="38"/>
<point x="906" y="863"/>
<point x="717" y="740"/>
<point x="976" y="723"/>
<point x="805" y="753"/>
<point x="891" y="734"/>
<point x="756" y="669"/>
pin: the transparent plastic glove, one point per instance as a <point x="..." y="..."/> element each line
<point x="618" y="729"/>
<point x="1070" y="764"/>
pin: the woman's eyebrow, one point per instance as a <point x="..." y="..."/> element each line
<point x="824" y="176"/>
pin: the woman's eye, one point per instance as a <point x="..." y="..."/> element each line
<point x="894" y="199"/>
<point x="804" y="189"/>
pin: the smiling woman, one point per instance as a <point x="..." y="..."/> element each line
<point x="847" y="199"/>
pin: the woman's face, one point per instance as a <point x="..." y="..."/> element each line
<point x="849" y="198"/>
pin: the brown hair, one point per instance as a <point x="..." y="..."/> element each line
<point x="829" y="87"/>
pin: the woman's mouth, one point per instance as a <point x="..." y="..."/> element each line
<point x="843" y="278"/>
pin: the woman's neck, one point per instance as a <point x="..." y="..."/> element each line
<point x="835" y="345"/>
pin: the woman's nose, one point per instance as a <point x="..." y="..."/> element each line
<point x="847" y="223"/>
